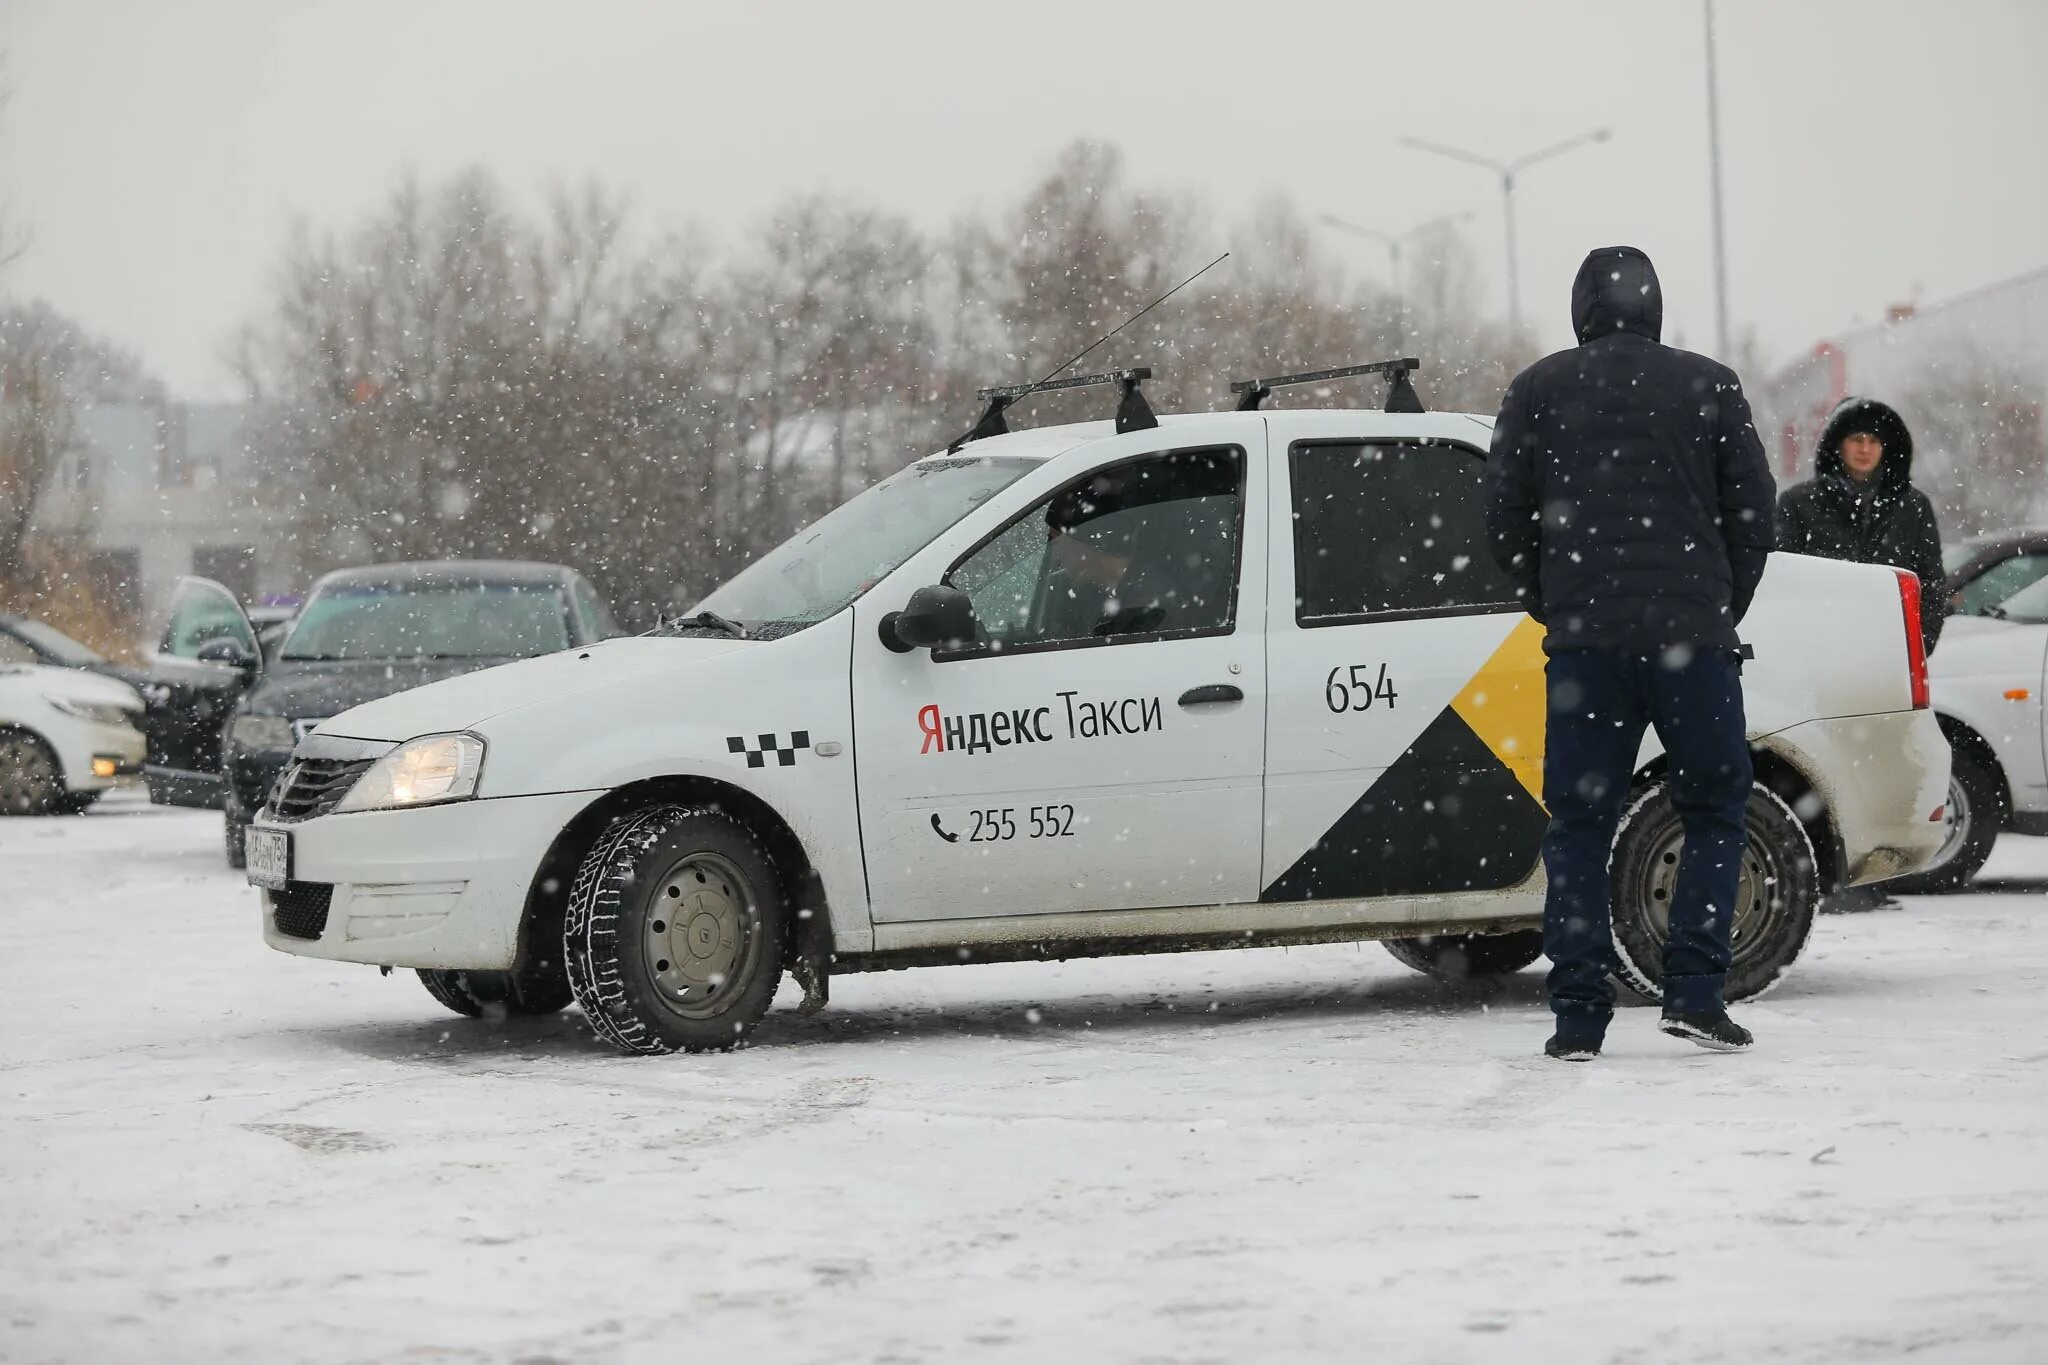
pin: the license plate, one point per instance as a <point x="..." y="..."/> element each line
<point x="268" y="853"/>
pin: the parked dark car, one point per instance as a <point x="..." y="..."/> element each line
<point x="1985" y="571"/>
<point x="25" y="640"/>
<point x="229" y="712"/>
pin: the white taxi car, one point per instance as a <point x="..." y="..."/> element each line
<point x="66" y="737"/>
<point x="1214" y="680"/>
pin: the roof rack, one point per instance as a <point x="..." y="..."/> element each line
<point x="1133" y="413"/>
<point x="1401" y="395"/>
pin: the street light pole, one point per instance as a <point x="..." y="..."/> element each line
<point x="1714" y="173"/>
<point x="1393" y="241"/>
<point x="1507" y="171"/>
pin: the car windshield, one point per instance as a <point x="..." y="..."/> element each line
<point x="827" y="565"/>
<point x="430" y="619"/>
<point x="2029" y="605"/>
<point x="55" y="643"/>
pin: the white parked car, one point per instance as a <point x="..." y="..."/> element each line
<point x="66" y="736"/>
<point x="1221" y="680"/>
<point x="1990" y="679"/>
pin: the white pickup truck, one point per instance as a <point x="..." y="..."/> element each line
<point x="1214" y="680"/>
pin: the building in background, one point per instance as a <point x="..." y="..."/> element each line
<point x="154" y="490"/>
<point x="1969" y="375"/>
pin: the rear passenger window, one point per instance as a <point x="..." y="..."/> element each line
<point x="1391" y="528"/>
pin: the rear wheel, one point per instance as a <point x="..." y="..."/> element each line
<point x="477" y="994"/>
<point x="1775" y="900"/>
<point x="1973" y="817"/>
<point x="1461" y="957"/>
<point x="675" y="930"/>
<point x="30" y="783"/>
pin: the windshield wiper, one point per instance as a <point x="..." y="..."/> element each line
<point x="711" y="620"/>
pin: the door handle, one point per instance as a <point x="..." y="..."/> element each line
<point x="1211" y="695"/>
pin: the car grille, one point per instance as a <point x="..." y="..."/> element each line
<point x="315" y="786"/>
<point x="300" y="910"/>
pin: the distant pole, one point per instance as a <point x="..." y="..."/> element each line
<point x="1507" y="171"/>
<point x="1714" y="171"/>
<point x="1392" y="242"/>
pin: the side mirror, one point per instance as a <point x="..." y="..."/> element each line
<point x="937" y="617"/>
<point x="226" y="652"/>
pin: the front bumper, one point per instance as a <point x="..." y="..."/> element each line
<point x="441" y="886"/>
<point x="80" y="743"/>
<point x="1884" y="779"/>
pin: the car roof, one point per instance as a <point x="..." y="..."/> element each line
<point x="410" y="573"/>
<point x="1044" y="443"/>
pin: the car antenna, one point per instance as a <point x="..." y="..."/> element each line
<point x="991" y="422"/>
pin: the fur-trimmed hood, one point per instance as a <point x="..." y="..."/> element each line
<point x="1866" y="414"/>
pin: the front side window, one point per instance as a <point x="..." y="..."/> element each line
<point x="1145" y="549"/>
<point x="430" y="619"/>
<point x="1998" y="583"/>
<point x="202" y="613"/>
<point x="1391" y="529"/>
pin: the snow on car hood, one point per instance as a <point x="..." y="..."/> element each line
<point x="464" y="702"/>
<point x="72" y="684"/>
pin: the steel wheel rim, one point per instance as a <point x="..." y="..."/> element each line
<point x="1754" y="890"/>
<point x="699" y="935"/>
<point x="1955" y="825"/>
<point x="26" y="774"/>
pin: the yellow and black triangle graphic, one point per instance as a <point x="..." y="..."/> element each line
<point x="1459" y="810"/>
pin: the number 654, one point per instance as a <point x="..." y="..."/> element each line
<point x="1349" y="689"/>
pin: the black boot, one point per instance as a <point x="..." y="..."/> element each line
<point x="1571" y="1049"/>
<point x="1715" y="1032"/>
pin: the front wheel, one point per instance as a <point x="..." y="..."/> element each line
<point x="475" y="994"/>
<point x="1462" y="957"/>
<point x="1973" y="816"/>
<point x="234" y="832"/>
<point x="1775" y="899"/>
<point x="674" y="933"/>
<point x="30" y="783"/>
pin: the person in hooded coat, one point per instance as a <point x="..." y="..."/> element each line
<point x="1630" y="502"/>
<point x="1861" y="504"/>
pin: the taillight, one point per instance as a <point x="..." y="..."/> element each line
<point x="1916" y="648"/>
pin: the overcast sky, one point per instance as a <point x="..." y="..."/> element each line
<point x="1874" y="151"/>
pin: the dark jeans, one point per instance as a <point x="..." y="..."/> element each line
<point x="1600" y="703"/>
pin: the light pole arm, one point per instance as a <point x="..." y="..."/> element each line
<point x="1597" y="135"/>
<point x="1456" y="154"/>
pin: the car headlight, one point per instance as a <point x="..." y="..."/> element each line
<point x="99" y="712"/>
<point x="418" y="772"/>
<point x="262" y="732"/>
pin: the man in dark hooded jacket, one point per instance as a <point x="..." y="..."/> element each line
<point x="1861" y="504"/>
<point x="1630" y="502"/>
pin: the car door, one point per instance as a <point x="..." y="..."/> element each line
<point x="1099" y="746"/>
<point x="1405" y="740"/>
<point x="190" y="697"/>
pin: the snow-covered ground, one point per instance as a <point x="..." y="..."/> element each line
<point x="211" y="1151"/>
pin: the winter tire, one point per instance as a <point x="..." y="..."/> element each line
<point x="77" y="803"/>
<point x="235" y="832"/>
<point x="1975" y="815"/>
<point x="476" y="994"/>
<point x="1462" y="957"/>
<point x="1775" y="900"/>
<point x="675" y="929"/>
<point x="30" y="783"/>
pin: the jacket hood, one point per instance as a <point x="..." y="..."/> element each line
<point x="1866" y="414"/>
<point x="1617" y="291"/>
